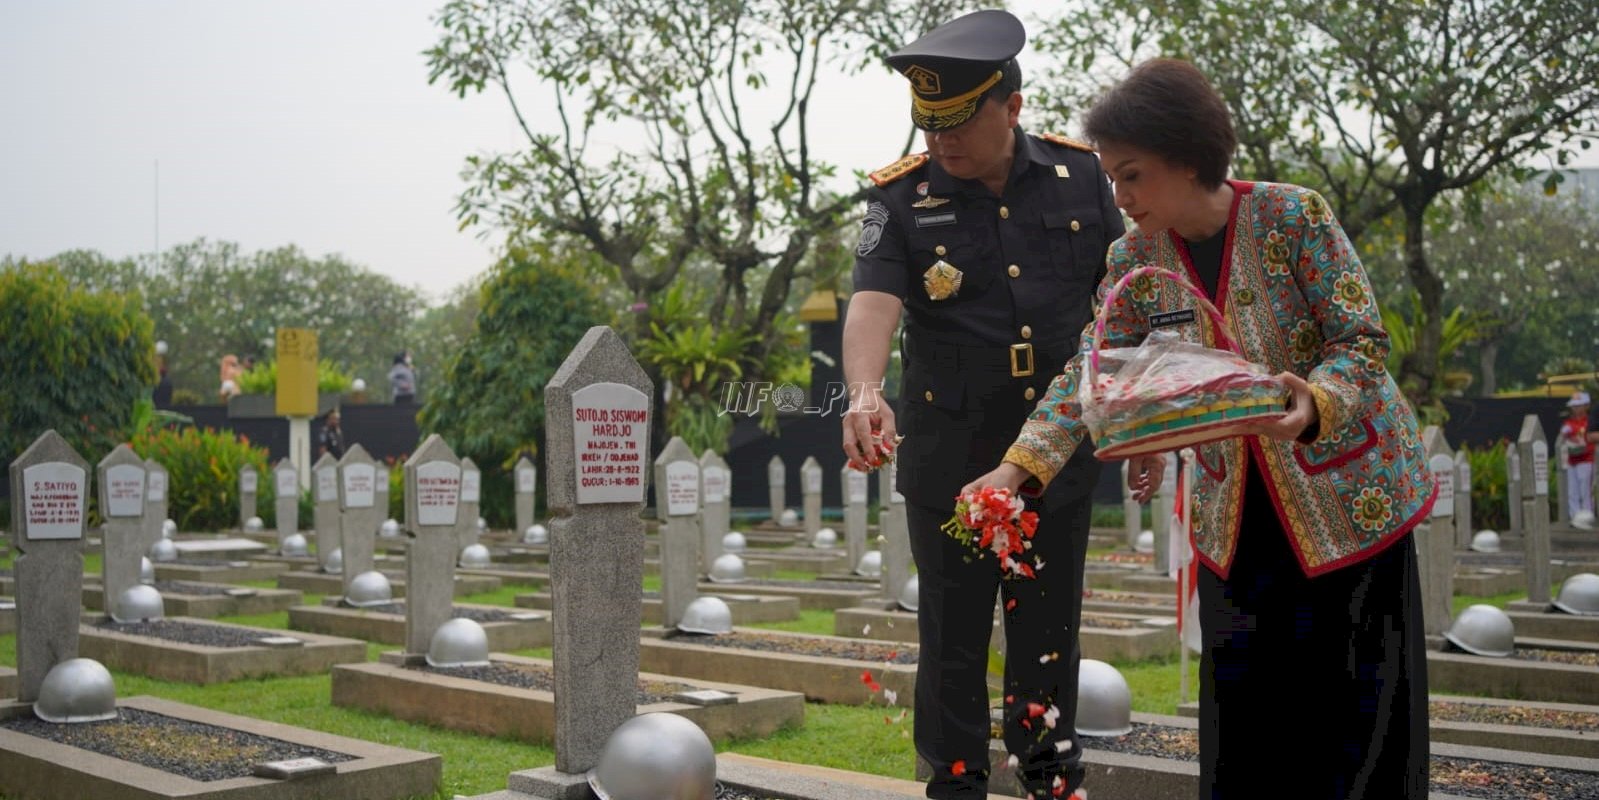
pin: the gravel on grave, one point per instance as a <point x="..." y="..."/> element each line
<point x="1457" y="776"/>
<point x="843" y="586"/>
<point x="456" y="612"/>
<point x="1495" y="714"/>
<point x="1584" y="658"/>
<point x="1129" y="598"/>
<point x="192" y="589"/>
<point x="802" y="646"/>
<point x="538" y="677"/>
<point x="195" y="750"/>
<point x="219" y="635"/>
<point x="1108" y="623"/>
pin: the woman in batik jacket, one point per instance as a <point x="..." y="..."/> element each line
<point x="1310" y="607"/>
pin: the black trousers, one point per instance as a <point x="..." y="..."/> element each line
<point x="1332" y="667"/>
<point x="955" y="621"/>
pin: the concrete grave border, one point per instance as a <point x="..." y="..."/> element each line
<point x="331" y="619"/>
<point x="211" y="606"/>
<point x="820" y="678"/>
<point x="203" y="664"/>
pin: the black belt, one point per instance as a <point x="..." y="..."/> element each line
<point x="1020" y="359"/>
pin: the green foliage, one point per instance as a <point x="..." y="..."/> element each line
<point x="210" y="299"/>
<point x="71" y="359"/>
<point x="397" y="486"/>
<point x="694" y="361"/>
<point x="1489" y="494"/>
<point x="490" y="406"/>
<point x="263" y="378"/>
<point x="203" y="474"/>
<point x="1459" y="330"/>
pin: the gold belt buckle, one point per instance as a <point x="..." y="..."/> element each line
<point x="1016" y="370"/>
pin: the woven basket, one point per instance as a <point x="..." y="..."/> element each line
<point x="1207" y="414"/>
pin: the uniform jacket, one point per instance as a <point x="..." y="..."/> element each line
<point x="1295" y="298"/>
<point x="979" y="274"/>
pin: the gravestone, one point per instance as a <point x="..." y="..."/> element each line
<point x="1533" y="447"/>
<point x="775" y="486"/>
<point x="432" y="519"/>
<point x="286" y="483"/>
<point x="854" y="486"/>
<point x="121" y="476"/>
<point x="1160" y="520"/>
<point x="471" y="502"/>
<point x="811" y="485"/>
<point x="1562" y="513"/>
<point x="249" y="485"/>
<point x="49" y="502"/>
<point x="157" y="487"/>
<point x="325" y="514"/>
<point x="716" y="495"/>
<point x="1463" y="525"/>
<point x="1512" y="490"/>
<point x="361" y="510"/>
<point x="1132" y="511"/>
<point x="1435" y="537"/>
<point x="896" y="545"/>
<point x="597" y="419"/>
<point x="527" y="479"/>
<point x="677" y="503"/>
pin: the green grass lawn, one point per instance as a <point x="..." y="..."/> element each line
<point x="872" y="739"/>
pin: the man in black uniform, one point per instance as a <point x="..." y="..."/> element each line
<point x="993" y="242"/>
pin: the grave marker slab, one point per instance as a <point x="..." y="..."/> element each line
<point x="360" y="510"/>
<point x="122" y="484"/>
<point x="855" y="486"/>
<point x="1132" y="511"/>
<point x="1161" y="513"/>
<point x="896" y="535"/>
<point x="1513" y="494"/>
<point x="1463" y="526"/>
<point x="49" y="501"/>
<point x="716" y="484"/>
<point x="432" y="513"/>
<point x="1533" y="446"/>
<point x="677" y="499"/>
<point x="596" y="544"/>
<point x="471" y="502"/>
<point x="526" y="487"/>
<point x="325" y="513"/>
<point x="811" y="484"/>
<point x="249" y="485"/>
<point x="286" y="484"/>
<point x="775" y="479"/>
<point x="1435" y="537"/>
<point x="156" y="490"/>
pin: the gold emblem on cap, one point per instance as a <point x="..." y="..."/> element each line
<point x="942" y="280"/>
<point x="925" y="80"/>
<point x="929" y="202"/>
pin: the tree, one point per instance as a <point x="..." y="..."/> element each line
<point x="711" y="178"/>
<point x="439" y="333"/>
<point x="1385" y="106"/>
<point x="490" y="404"/>
<point x="71" y="359"/>
<point x="1522" y="265"/>
<point x="209" y="299"/>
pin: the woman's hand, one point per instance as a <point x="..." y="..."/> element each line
<point x="1301" y="412"/>
<point x="1144" y="474"/>
<point x="1005" y="476"/>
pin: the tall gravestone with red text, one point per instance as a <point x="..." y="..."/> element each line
<point x="49" y="503"/>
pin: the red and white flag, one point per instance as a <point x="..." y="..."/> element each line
<point x="1184" y="566"/>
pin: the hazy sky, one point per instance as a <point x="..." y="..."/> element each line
<point x="278" y="122"/>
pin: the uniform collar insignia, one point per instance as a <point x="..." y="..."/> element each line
<point x="929" y="202"/>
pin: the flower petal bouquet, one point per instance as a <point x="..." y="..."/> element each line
<point x="882" y="453"/>
<point x="995" y="520"/>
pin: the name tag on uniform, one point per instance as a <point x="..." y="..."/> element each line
<point x="933" y="220"/>
<point x="1169" y="318"/>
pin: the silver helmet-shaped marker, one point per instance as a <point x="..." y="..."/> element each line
<point x="707" y="615"/>
<point x="459" y="642"/>
<point x="1104" y="701"/>
<point x="138" y="604"/>
<point x="76" y="690"/>
<point x="370" y="588"/>
<point x="727" y="568"/>
<point x="656" y="756"/>
<point x="1579" y="594"/>
<point x="1483" y="630"/>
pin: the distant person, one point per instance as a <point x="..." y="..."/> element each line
<point x="162" y="397"/>
<point x="402" y="380"/>
<point x="1578" y="447"/>
<point x="331" y="439"/>
<point x="229" y="377"/>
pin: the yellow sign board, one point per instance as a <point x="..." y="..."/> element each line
<point x="297" y="357"/>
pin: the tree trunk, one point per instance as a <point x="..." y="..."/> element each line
<point x="1486" y="359"/>
<point x="1418" y="374"/>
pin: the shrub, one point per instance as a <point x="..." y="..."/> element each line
<point x="263" y="379"/>
<point x="70" y="359"/>
<point x="203" y="474"/>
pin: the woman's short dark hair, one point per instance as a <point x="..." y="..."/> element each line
<point x="1168" y="107"/>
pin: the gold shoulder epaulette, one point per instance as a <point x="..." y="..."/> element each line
<point x="898" y="169"/>
<point x="1067" y="141"/>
